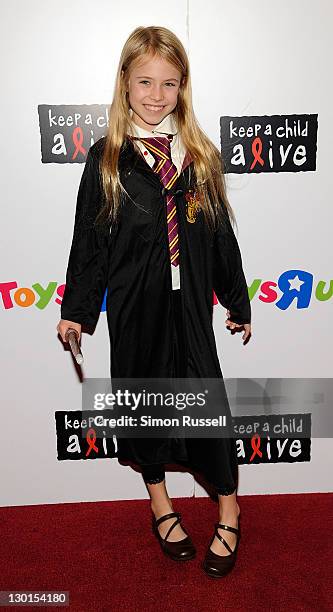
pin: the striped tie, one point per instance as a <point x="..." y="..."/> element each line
<point x="168" y="174"/>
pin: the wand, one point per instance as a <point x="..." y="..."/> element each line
<point x="72" y="337"/>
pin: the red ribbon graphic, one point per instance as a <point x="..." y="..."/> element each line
<point x="255" y="443"/>
<point x="91" y="441"/>
<point x="78" y="140"/>
<point x="256" y="150"/>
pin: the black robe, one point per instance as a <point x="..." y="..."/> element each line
<point x="132" y="261"/>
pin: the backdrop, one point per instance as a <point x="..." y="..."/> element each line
<point x="262" y="94"/>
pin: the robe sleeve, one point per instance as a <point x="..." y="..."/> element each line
<point x="229" y="281"/>
<point x="87" y="269"/>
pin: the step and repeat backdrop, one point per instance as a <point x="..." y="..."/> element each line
<point x="261" y="92"/>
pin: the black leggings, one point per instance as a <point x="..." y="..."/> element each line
<point x="154" y="473"/>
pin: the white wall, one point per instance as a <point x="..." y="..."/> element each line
<point x="259" y="59"/>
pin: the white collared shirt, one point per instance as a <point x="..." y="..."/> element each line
<point x="166" y="126"/>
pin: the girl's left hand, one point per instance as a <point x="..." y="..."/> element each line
<point x="234" y="327"/>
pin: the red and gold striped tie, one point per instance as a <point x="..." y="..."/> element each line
<point x="160" y="149"/>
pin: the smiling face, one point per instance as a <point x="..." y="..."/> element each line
<point x="153" y="88"/>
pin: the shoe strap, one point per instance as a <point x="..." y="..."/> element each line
<point x="227" y="528"/>
<point x="171" y="528"/>
<point x="166" y="516"/>
<point x="223" y="541"/>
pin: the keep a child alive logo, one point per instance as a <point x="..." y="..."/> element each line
<point x="256" y="438"/>
<point x="249" y="144"/>
<point x="276" y="143"/>
<point x="68" y="131"/>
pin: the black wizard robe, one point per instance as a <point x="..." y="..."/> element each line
<point x="131" y="260"/>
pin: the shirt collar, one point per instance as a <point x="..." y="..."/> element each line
<point x="168" y="125"/>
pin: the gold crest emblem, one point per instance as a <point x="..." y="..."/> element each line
<point x="193" y="207"/>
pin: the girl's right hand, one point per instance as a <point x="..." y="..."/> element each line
<point x="64" y="325"/>
<point x="234" y="327"/>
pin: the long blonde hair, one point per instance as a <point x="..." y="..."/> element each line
<point x="207" y="161"/>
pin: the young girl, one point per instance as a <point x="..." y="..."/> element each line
<point x="153" y="226"/>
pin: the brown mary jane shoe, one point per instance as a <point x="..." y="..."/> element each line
<point x="183" y="550"/>
<point x="215" y="565"/>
